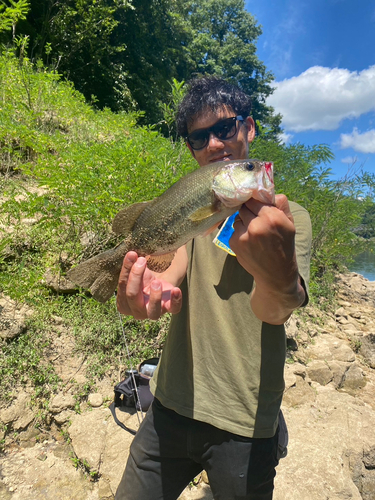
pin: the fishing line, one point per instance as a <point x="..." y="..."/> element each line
<point x="131" y="366"/>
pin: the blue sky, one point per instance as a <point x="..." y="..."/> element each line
<point x="322" y="54"/>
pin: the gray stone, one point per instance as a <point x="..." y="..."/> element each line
<point x="368" y="349"/>
<point x="10" y="328"/>
<point x="353" y="379"/>
<point x="19" y="415"/>
<point x="63" y="417"/>
<point x="345" y="427"/>
<point x="95" y="400"/>
<point x="88" y="435"/>
<point x="331" y="348"/>
<point x="299" y="394"/>
<point x="62" y="402"/>
<point x="319" y="371"/>
<point x="338" y="369"/>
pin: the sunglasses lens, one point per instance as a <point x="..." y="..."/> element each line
<point x="223" y="130"/>
<point x="198" y="139"/>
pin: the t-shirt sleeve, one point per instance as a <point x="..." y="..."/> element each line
<point x="303" y="240"/>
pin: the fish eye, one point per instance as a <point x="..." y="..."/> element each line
<point x="249" y="166"/>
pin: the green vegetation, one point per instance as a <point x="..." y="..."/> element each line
<point x="337" y="208"/>
<point x="123" y="54"/>
<point x="67" y="167"/>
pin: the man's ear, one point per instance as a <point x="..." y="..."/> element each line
<point x="190" y="149"/>
<point x="250" y="128"/>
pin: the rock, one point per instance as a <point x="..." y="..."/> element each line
<point x="320" y="372"/>
<point x="12" y="318"/>
<point x="353" y="378"/>
<point x="368" y="349"/>
<point x="105" y="492"/>
<point x="342" y="320"/>
<point x="63" y="417"/>
<point x="338" y="369"/>
<point x="88" y="435"/>
<point x="289" y="377"/>
<point x="19" y="415"/>
<point x="299" y="394"/>
<point x="363" y="473"/>
<point x="329" y="406"/>
<point x="62" y="402"/>
<point x="346" y="428"/>
<point x="117" y="447"/>
<point x="95" y="400"/>
<point x="341" y="312"/>
<point x="344" y="303"/>
<point x="291" y="327"/>
<point x="10" y="329"/>
<point x="299" y="369"/>
<point x="52" y="478"/>
<point x="331" y="348"/>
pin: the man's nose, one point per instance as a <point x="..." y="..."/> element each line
<point x="214" y="141"/>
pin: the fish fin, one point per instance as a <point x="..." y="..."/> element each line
<point x="204" y="213"/>
<point x="160" y="263"/>
<point x="124" y="221"/>
<point x="100" y="273"/>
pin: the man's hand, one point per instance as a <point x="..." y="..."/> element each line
<point x="264" y="245"/>
<point x="142" y="294"/>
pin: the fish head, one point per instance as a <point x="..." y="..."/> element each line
<point x="235" y="182"/>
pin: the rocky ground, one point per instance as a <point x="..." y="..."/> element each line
<point x="329" y="406"/>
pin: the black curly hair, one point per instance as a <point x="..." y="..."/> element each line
<point x="210" y="92"/>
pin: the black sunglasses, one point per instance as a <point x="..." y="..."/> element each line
<point x="223" y="130"/>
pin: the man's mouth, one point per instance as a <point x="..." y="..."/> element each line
<point x="221" y="158"/>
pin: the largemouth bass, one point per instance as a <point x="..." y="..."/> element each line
<point x="193" y="206"/>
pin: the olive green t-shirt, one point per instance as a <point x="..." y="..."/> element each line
<point x="221" y="364"/>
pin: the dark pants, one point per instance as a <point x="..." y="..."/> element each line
<point x="169" y="450"/>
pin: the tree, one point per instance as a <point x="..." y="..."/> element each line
<point x="152" y="34"/>
<point x="74" y="36"/>
<point x="128" y="53"/>
<point x="10" y="15"/>
<point x="222" y="41"/>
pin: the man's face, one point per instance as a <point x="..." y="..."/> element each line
<point x="235" y="148"/>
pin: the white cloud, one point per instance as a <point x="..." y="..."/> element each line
<point x="363" y="143"/>
<point x="350" y="160"/>
<point x="321" y="98"/>
<point x="285" y="138"/>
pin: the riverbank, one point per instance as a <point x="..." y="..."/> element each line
<point x="329" y="405"/>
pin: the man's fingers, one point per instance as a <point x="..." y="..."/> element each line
<point x="143" y="296"/>
<point x="129" y="260"/>
<point x="122" y="302"/>
<point x="134" y="288"/>
<point x="154" y="308"/>
<point x="176" y="301"/>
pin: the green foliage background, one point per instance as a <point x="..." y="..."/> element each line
<point x="122" y="54"/>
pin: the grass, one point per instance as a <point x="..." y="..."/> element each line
<point x="55" y="152"/>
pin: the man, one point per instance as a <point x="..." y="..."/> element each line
<point x="219" y="383"/>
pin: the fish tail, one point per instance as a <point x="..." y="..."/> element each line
<point x="100" y="273"/>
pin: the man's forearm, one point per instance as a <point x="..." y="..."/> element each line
<point x="275" y="306"/>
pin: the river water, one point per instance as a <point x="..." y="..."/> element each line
<point x="365" y="264"/>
